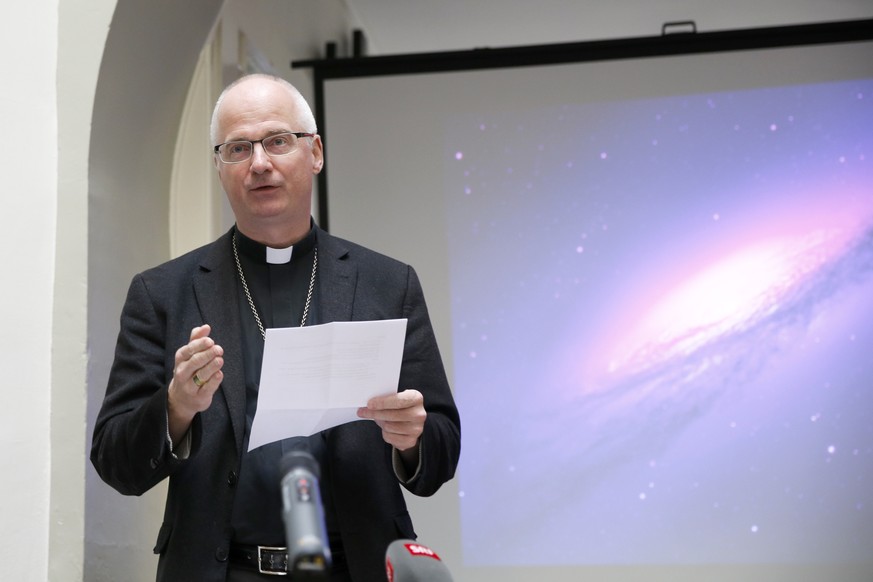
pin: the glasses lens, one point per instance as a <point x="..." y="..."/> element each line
<point x="281" y="144"/>
<point x="235" y="151"/>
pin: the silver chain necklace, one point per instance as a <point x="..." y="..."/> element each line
<point x="242" y="278"/>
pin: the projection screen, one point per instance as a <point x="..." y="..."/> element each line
<point x="651" y="277"/>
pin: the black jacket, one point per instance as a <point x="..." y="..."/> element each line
<point x="130" y="448"/>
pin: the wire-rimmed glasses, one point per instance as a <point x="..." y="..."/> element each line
<point x="280" y="144"/>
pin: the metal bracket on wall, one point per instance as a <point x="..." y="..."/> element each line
<point x="679" y="27"/>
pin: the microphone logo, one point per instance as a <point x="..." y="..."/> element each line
<point x="420" y="550"/>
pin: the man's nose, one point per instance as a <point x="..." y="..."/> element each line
<point x="260" y="159"/>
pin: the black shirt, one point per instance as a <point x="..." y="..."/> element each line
<point x="279" y="294"/>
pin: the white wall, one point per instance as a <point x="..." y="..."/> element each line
<point x="28" y="205"/>
<point x="82" y="31"/>
<point x="51" y="52"/>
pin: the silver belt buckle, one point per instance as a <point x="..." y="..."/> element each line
<point x="283" y="572"/>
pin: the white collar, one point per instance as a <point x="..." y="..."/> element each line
<point x="279" y="256"/>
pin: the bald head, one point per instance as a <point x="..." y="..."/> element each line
<point x="261" y="82"/>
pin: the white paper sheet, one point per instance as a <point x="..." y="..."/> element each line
<point x="316" y="377"/>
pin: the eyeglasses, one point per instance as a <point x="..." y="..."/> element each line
<point x="280" y="144"/>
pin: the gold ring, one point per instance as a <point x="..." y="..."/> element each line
<point x="197" y="380"/>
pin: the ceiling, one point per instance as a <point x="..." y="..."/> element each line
<point x="413" y="26"/>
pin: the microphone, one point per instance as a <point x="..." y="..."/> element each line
<point x="410" y="561"/>
<point x="305" y="529"/>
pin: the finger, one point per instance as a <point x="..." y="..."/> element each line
<point x="401" y="436"/>
<point x="402" y="415"/>
<point x="206" y="357"/>
<point x="205" y="373"/>
<point x="198" y="340"/>
<point x="198" y="355"/>
<point x="396" y="400"/>
<point x="192" y="348"/>
<point x="208" y="384"/>
<point x="200" y="332"/>
<point x="185" y="368"/>
<point x="398" y="427"/>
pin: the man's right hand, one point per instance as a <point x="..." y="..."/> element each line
<point x="196" y="376"/>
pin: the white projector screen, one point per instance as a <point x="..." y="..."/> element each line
<point x="652" y="284"/>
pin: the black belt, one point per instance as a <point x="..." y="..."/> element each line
<point x="273" y="560"/>
<point x="265" y="559"/>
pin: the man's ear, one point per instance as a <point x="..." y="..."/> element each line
<point x="317" y="154"/>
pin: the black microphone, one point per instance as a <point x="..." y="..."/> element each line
<point x="305" y="529"/>
<point x="410" y="561"/>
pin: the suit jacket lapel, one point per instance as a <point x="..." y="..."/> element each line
<point x="337" y="279"/>
<point x="215" y="289"/>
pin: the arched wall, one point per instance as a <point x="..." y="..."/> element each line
<point x="149" y="58"/>
<point x="81" y="35"/>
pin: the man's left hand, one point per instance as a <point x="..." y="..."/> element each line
<point x="400" y="416"/>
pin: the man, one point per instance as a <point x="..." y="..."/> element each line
<point x="182" y="391"/>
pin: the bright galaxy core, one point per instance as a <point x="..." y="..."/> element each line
<point x="663" y="331"/>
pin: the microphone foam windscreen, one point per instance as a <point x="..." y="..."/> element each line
<point x="298" y="459"/>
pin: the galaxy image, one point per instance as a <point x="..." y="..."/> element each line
<point x="662" y="328"/>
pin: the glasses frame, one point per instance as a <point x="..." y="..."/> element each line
<point x="296" y="134"/>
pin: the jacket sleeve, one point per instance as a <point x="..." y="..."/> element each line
<point x="422" y="369"/>
<point x="131" y="449"/>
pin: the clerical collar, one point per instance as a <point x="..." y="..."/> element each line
<point x="263" y="254"/>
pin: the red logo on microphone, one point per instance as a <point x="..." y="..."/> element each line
<point x="420" y="550"/>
